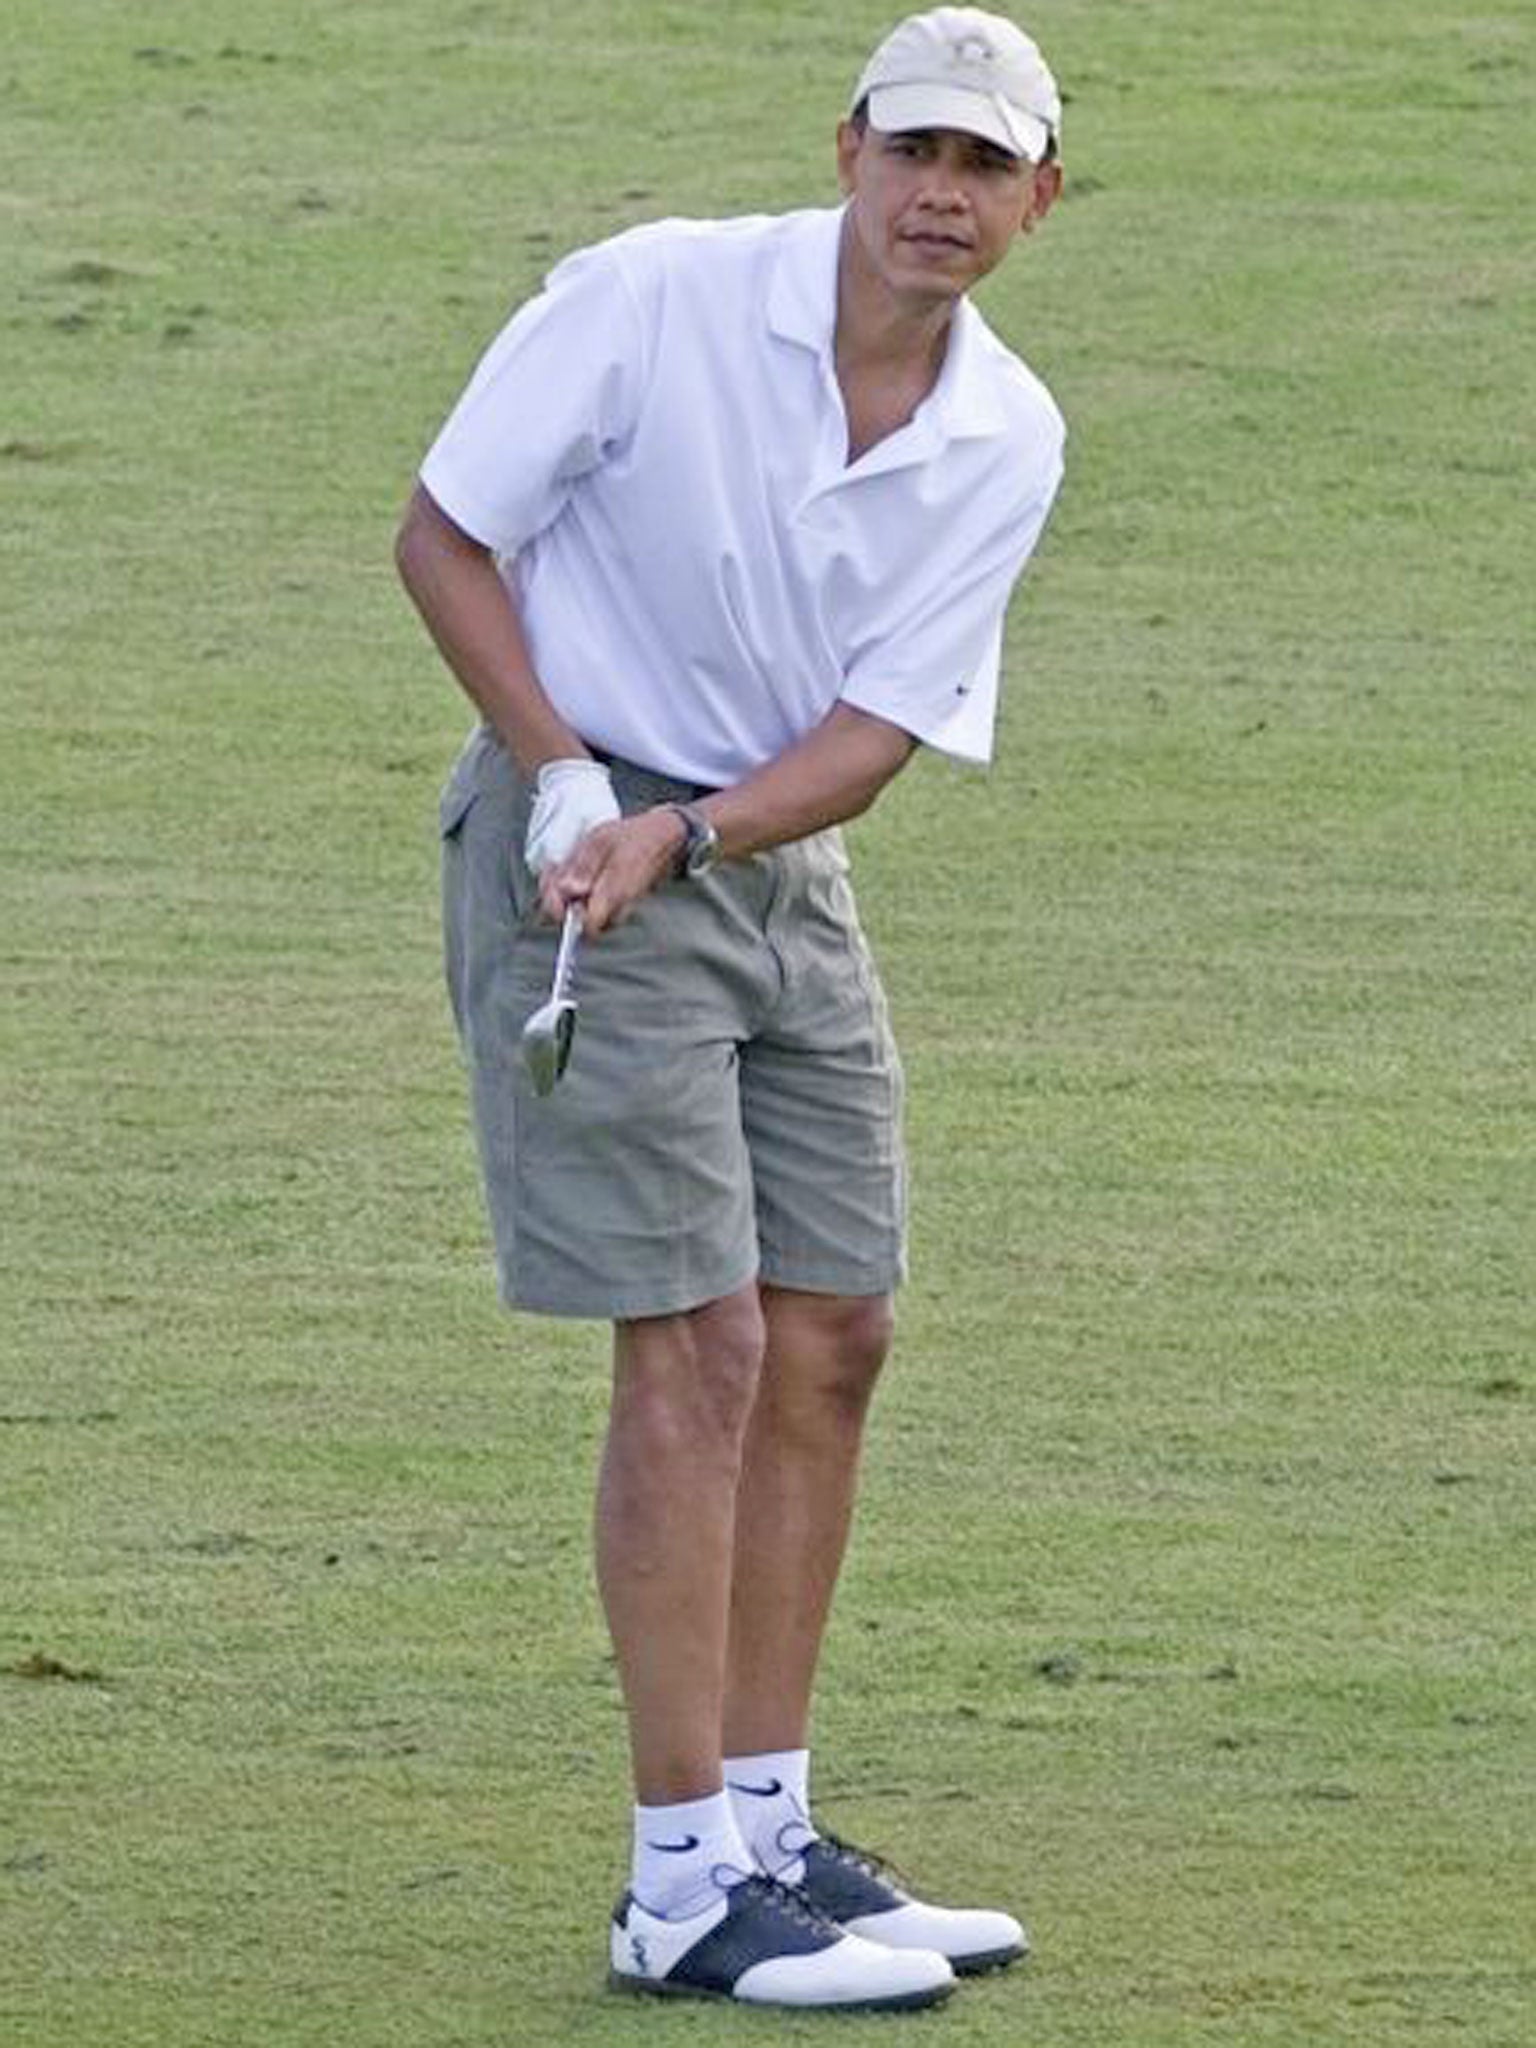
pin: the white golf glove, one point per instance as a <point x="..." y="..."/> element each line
<point x="573" y="796"/>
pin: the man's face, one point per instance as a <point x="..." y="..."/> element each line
<point x="934" y="209"/>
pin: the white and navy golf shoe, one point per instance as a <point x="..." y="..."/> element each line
<point x="761" y="1944"/>
<point x="859" y="1893"/>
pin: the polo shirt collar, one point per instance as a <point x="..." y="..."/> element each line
<point x="802" y="308"/>
<point x="802" y="294"/>
<point x="965" y="397"/>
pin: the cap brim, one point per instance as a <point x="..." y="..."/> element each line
<point x="895" y="109"/>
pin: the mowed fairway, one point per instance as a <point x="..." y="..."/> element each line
<point x="1192" y="1607"/>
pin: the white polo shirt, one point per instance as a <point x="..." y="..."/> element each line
<point x="656" y="448"/>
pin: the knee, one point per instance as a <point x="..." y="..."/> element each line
<point x="688" y="1382"/>
<point x="728" y="1339"/>
<point x="825" y="1359"/>
<point x="861" y="1333"/>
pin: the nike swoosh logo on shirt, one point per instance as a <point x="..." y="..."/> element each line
<point x="771" y="1790"/>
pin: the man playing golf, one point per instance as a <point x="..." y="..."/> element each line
<point x="724" y="527"/>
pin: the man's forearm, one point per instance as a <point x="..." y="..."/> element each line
<point x="455" y="585"/>
<point x="831" y="775"/>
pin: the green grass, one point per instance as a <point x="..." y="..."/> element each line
<point x="1191" y="1604"/>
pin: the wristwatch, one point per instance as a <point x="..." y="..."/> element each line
<point x="700" y="850"/>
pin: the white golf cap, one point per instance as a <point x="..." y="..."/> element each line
<point x="960" y="67"/>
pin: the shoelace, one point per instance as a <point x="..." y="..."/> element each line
<point x="866" y="1861"/>
<point x="788" y="1903"/>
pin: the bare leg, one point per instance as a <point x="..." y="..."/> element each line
<point x="794" y="1505"/>
<point x="666" y="1506"/>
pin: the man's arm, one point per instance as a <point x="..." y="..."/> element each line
<point x="834" y="773"/>
<point x="455" y="585"/>
<point x="831" y="775"/>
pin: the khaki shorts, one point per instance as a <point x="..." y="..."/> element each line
<point x="732" y="1107"/>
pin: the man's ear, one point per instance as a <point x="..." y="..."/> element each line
<point x="1045" y="183"/>
<point x="849" y="142"/>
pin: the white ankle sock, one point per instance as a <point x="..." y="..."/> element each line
<point x="770" y="1794"/>
<point x="686" y="1855"/>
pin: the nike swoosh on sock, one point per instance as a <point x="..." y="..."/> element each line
<point x="682" y="1848"/>
<point x="771" y="1790"/>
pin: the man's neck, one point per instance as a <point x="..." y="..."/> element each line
<point x="888" y="350"/>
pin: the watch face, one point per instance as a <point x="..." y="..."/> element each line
<point x="700" y="850"/>
<point x="703" y="847"/>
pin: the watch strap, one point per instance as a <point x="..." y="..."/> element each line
<point x="698" y="833"/>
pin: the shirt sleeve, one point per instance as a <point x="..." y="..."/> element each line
<point x="554" y="396"/>
<point x="935" y="673"/>
<point x="934" y="668"/>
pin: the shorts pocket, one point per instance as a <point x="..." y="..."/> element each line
<point x="465" y="781"/>
<point x="453" y="805"/>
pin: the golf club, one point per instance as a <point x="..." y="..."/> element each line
<point x="549" y="1031"/>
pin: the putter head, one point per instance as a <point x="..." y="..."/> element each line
<point x="547" y="1038"/>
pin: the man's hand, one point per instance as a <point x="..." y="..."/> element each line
<point x="613" y="867"/>
<point x="573" y="797"/>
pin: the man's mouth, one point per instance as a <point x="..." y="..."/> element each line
<point x="936" y="239"/>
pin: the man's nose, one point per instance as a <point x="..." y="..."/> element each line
<point x="941" y="185"/>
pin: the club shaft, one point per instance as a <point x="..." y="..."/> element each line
<point x="565" y="959"/>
